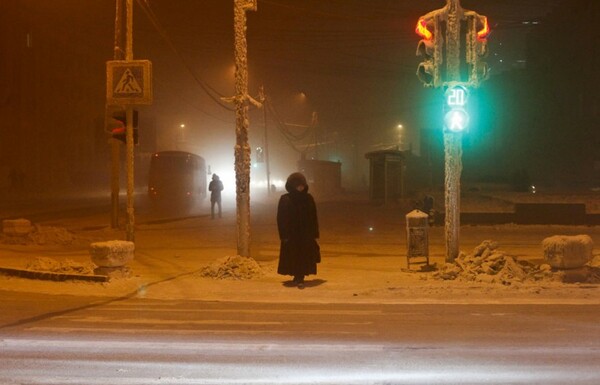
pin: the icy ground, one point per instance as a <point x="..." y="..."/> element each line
<point x="364" y="260"/>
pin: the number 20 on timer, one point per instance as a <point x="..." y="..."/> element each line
<point x="456" y="118"/>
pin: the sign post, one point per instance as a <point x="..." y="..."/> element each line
<point x="129" y="82"/>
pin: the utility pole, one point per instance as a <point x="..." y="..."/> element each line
<point x="242" y="147"/>
<point x="114" y="143"/>
<point x="441" y="47"/>
<point x="263" y="100"/>
<point x="130" y="224"/>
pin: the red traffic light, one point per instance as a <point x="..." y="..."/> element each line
<point x="120" y="133"/>
<point x="484" y="32"/>
<point x="422" y="30"/>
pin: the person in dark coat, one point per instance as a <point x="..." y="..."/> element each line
<point x="298" y="231"/>
<point x="215" y="187"/>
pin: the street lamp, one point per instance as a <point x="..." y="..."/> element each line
<point x="182" y="133"/>
<point x="400" y="128"/>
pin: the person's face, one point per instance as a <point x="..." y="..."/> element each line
<point x="300" y="187"/>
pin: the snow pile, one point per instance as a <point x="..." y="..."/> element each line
<point x="595" y="262"/>
<point x="235" y="267"/>
<point x="45" y="235"/>
<point x="489" y="264"/>
<point x="65" y="267"/>
<point x="16" y="227"/>
<point x="42" y="235"/>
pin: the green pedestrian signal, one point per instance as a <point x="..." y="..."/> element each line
<point x="456" y="118"/>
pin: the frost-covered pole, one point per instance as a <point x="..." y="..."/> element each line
<point x="130" y="224"/>
<point x="440" y="46"/>
<point x="453" y="140"/>
<point x="263" y="100"/>
<point x="114" y="143"/>
<point x="242" y="147"/>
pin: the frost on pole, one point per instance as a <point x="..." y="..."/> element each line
<point x="242" y="147"/>
<point x="440" y="46"/>
<point x="443" y="58"/>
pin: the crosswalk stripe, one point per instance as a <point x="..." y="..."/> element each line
<point x="157" y="321"/>
<point x="194" y="331"/>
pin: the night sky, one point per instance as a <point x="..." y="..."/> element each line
<point x="355" y="60"/>
<point x="352" y="62"/>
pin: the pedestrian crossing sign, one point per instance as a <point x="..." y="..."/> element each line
<point x="128" y="82"/>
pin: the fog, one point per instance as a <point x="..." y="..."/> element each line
<point x="353" y="67"/>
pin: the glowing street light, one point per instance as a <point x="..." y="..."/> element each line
<point x="400" y="129"/>
<point x="181" y="135"/>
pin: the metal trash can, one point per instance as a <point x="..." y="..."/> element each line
<point x="417" y="238"/>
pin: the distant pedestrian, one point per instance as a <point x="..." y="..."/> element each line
<point x="298" y="231"/>
<point x="215" y="187"/>
<point x="428" y="208"/>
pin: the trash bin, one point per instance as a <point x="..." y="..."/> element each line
<point x="417" y="238"/>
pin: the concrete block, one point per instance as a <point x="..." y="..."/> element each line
<point x="16" y="227"/>
<point x="112" y="253"/>
<point x="568" y="252"/>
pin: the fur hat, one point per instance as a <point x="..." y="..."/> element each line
<point x="294" y="180"/>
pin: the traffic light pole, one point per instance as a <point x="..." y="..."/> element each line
<point x="114" y="143"/>
<point x="453" y="141"/>
<point x="453" y="170"/>
<point x="441" y="47"/>
<point x="130" y="224"/>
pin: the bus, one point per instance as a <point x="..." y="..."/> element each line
<point x="176" y="177"/>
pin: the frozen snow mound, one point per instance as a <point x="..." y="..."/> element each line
<point x="233" y="267"/>
<point x="489" y="264"/>
<point x="16" y="227"/>
<point x="595" y="262"/>
<point x="65" y="267"/>
<point x="41" y="235"/>
<point x="568" y="252"/>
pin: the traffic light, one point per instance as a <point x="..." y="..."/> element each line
<point x="429" y="69"/>
<point x="479" y="30"/>
<point x="456" y="117"/>
<point x="119" y="131"/>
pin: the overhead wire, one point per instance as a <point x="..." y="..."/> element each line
<point x="290" y="138"/>
<point x="207" y="88"/>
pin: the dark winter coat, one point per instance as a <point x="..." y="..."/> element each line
<point x="298" y="230"/>
<point x="215" y="187"/>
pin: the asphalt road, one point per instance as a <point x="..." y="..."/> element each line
<point x="78" y="340"/>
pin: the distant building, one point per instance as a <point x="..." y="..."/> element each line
<point x="386" y="175"/>
<point x="324" y="177"/>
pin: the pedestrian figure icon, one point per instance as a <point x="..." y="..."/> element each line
<point x="128" y="84"/>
